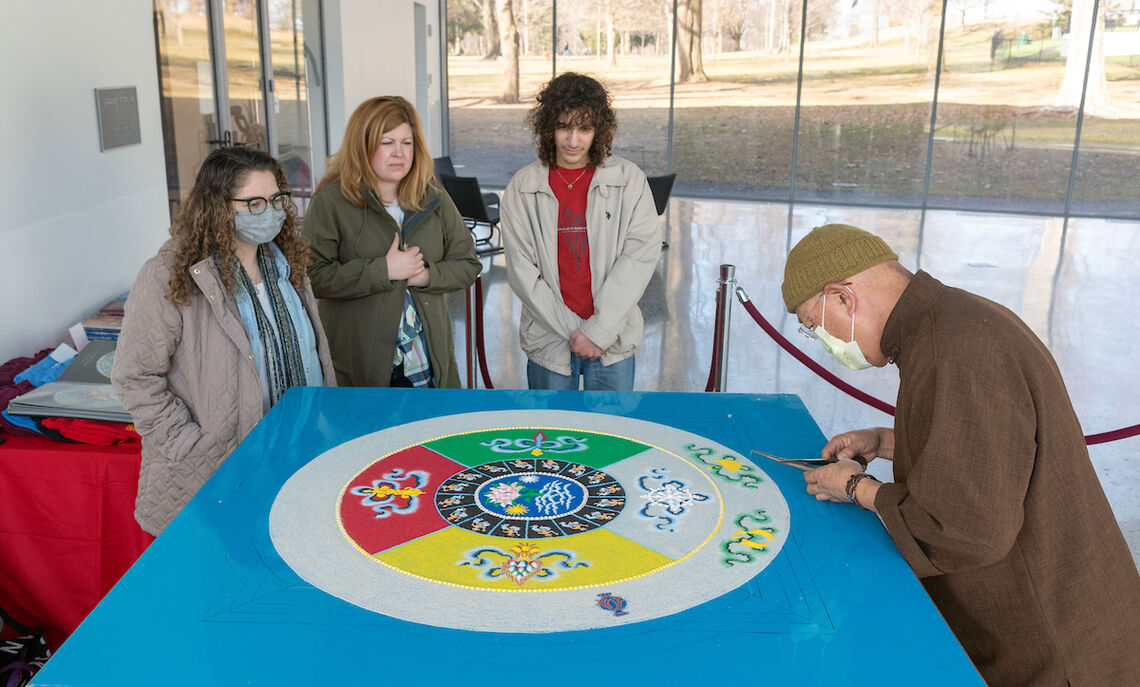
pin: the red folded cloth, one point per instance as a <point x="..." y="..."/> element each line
<point x="9" y="389"/>
<point x="97" y="432"/>
<point x="15" y="366"/>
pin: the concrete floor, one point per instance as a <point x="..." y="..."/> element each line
<point x="1075" y="287"/>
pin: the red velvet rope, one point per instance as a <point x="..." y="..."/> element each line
<point x="813" y="365"/>
<point x="1103" y="437"/>
<point x="711" y="383"/>
<point x="1114" y="435"/>
<point x="467" y="334"/>
<point x="481" y="349"/>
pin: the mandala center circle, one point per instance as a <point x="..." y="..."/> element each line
<point x="531" y="495"/>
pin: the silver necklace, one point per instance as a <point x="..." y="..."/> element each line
<point x="570" y="185"/>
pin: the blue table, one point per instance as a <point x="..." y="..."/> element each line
<point x="211" y="601"/>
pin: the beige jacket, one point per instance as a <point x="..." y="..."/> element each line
<point x="187" y="376"/>
<point x="625" y="242"/>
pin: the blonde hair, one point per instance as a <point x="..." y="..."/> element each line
<point x="351" y="166"/>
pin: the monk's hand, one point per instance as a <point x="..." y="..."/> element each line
<point x="829" y="483"/>
<point x="861" y="442"/>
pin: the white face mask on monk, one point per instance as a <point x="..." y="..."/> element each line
<point x="847" y="353"/>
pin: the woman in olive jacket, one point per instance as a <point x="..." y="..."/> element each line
<point x="388" y="243"/>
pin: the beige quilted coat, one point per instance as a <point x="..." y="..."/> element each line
<point x="187" y="376"/>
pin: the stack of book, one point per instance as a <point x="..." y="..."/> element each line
<point x="82" y="391"/>
<point x="108" y="322"/>
<point x="71" y="399"/>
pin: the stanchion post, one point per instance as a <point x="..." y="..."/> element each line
<point x="725" y="285"/>
<point x="472" y="358"/>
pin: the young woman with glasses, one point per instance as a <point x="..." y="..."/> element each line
<point x="218" y="325"/>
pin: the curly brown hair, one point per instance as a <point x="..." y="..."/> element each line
<point x="587" y="102"/>
<point x="205" y="225"/>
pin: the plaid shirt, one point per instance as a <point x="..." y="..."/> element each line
<point x="411" y="346"/>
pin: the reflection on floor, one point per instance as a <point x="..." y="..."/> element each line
<point x="1074" y="286"/>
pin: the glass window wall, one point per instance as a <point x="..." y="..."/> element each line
<point x="844" y="118"/>
<point x="997" y="143"/>
<point x="1109" y="153"/>
<point x="868" y="84"/>
<point x="735" y="98"/>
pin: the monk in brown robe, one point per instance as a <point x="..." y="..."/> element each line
<point x="995" y="504"/>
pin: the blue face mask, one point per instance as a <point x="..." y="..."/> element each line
<point x="847" y="353"/>
<point x="258" y="229"/>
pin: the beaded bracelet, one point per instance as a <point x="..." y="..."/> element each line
<point x="853" y="483"/>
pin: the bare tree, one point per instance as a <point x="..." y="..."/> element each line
<point x="691" y="68"/>
<point x="789" y="28"/>
<point x="923" y="19"/>
<point x="509" y="40"/>
<point x="534" y="28"/>
<point x="463" y="17"/>
<point x="491" y="48"/>
<point x="729" y="17"/>
<point x="783" y="27"/>
<point x="718" y="34"/>
<point x="598" y="32"/>
<point x="171" y="19"/>
<point x="771" y="42"/>
<point x="963" y="7"/>
<point x="1069" y="95"/>
<point x="875" y="11"/>
<point x="636" y="18"/>
<point x="931" y="25"/>
<point x="608" y="9"/>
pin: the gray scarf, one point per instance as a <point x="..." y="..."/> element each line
<point x="280" y="348"/>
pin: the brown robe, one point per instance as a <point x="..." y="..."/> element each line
<point x="996" y="506"/>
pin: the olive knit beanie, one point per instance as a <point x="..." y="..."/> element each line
<point x="827" y="255"/>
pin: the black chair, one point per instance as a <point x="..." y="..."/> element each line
<point x="443" y="165"/>
<point x="468" y="198"/>
<point x="661" y="187"/>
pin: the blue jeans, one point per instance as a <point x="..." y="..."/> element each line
<point x="595" y="376"/>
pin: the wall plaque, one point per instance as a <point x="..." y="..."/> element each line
<point x="118" y="112"/>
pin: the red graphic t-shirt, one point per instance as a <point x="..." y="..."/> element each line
<point x="570" y="187"/>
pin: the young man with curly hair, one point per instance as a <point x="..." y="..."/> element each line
<point x="581" y="241"/>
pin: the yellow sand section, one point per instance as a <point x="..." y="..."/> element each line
<point x="441" y="557"/>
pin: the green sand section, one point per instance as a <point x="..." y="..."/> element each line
<point x="600" y="449"/>
<point x="458" y="557"/>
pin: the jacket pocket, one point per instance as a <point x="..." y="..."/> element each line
<point x="534" y="337"/>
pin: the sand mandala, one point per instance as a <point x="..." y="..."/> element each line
<point x="529" y="521"/>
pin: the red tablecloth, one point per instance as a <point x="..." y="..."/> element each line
<point x="67" y="529"/>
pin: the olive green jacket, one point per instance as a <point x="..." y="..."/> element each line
<point x="359" y="306"/>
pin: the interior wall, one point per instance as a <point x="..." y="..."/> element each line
<point x="75" y="223"/>
<point x="370" y="52"/>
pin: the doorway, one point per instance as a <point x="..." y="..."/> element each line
<point x="240" y="73"/>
